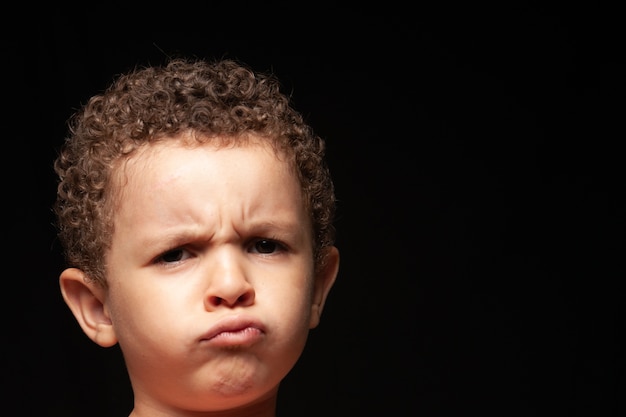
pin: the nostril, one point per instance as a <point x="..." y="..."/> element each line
<point x="216" y="301"/>
<point x="245" y="298"/>
<point x="242" y="300"/>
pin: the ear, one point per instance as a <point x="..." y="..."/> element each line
<point x="324" y="281"/>
<point x="86" y="300"/>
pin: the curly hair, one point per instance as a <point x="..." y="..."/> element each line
<point x="221" y="100"/>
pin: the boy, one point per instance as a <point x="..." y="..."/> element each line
<point x="195" y="210"/>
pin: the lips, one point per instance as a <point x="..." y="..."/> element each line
<point x="234" y="331"/>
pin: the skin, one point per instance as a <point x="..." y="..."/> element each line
<point x="211" y="290"/>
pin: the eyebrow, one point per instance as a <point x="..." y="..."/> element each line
<point x="182" y="234"/>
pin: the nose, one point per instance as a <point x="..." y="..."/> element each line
<point x="228" y="284"/>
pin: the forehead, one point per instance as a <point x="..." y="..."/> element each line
<point x="141" y="160"/>
<point x="171" y="182"/>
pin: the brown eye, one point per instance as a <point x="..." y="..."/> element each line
<point x="175" y="255"/>
<point x="265" y="246"/>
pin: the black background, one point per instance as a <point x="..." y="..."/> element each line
<point x="477" y="157"/>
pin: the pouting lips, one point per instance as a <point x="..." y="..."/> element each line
<point x="234" y="331"/>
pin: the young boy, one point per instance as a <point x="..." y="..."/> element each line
<point x="195" y="210"/>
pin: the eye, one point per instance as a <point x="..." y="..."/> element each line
<point x="173" y="256"/>
<point x="266" y="246"/>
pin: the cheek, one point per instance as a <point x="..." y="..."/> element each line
<point x="291" y="303"/>
<point x="140" y="315"/>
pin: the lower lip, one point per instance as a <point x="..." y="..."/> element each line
<point x="240" y="338"/>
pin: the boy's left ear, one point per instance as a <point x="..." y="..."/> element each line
<point x="324" y="281"/>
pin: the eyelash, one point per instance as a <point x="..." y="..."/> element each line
<point x="277" y="246"/>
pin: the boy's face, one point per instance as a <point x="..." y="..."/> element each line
<point x="211" y="291"/>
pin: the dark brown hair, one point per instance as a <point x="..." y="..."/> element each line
<point x="221" y="100"/>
